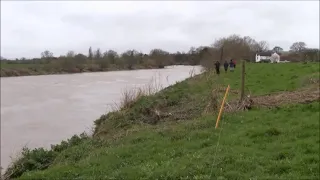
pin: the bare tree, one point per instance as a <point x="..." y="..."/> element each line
<point x="70" y="54"/>
<point x="263" y="45"/>
<point x="46" y="54"/>
<point x="298" y="46"/>
<point x="111" y="55"/>
<point x="234" y="46"/>
<point x="97" y="54"/>
<point x="90" y="54"/>
<point x="102" y="59"/>
<point x="130" y="57"/>
<point x="160" y="56"/>
<point x="80" y="58"/>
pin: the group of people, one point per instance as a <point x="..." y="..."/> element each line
<point x="226" y="65"/>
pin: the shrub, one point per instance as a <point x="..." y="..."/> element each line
<point x="40" y="158"/>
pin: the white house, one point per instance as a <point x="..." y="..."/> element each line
<point x="267" y="56"/>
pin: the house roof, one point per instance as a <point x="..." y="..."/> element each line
<point x="266" y="53"/>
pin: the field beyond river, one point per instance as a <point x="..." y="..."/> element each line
<point x="272" y="134"/>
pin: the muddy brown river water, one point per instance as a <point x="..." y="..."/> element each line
<point x="37" y="111"/>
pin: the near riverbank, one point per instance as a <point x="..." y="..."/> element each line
<point x="171" y="134"/>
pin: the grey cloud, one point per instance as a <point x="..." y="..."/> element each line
<point x="31" y="27"/>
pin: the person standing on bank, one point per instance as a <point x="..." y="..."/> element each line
<point x="226" y="65"/>
<point x="217" y="67"/>
<point x="232" y="65"/>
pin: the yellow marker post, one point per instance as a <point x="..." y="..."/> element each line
<point x="222" y="105"/>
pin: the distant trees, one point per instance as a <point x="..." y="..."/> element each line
<point x="224" y="48"/>
<point x="277" y="49"/>
<point x="310" y="54"/>
<point x="298" y="46"/>
<point x="237" y="47"/>
<point x="111" y="56"/>
<point x="97" y="54"/>
<point x="90" y="54"/>
<point x="260" y="46"/>
<point x="70" y="54"/>
<point x="80" y="58"/>
<point x="46" y="54"/>
<point x="160" y="57"/>
<point x="300" y="52"/>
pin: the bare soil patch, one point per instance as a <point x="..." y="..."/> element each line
<point x="277" y="99"/>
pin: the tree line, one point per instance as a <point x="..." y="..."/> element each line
<point x="225" y="48"/>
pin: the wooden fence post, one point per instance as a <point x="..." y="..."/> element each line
<point x="243" y="73"/>
<point x="222" y="106"/>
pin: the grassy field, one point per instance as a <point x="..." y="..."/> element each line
<point x="9" y="70"/>
<point x="167" y="135"/>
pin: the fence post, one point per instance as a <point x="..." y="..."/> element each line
<point x="243" y="73"/>
<point x="222" y="106"/>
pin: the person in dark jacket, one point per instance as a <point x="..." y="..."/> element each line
<point x="232" y="65"/>
<point x="217" y="67"/>
<point x="226" y="65"/>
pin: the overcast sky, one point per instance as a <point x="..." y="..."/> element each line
<point x="28" y="28"/>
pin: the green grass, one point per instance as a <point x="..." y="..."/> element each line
<point x="188" y="99"/>
<point x="268" y="78"/>
<point x="6" y="65"/>
<point x="273" y="144"/>
<point x="65" y="66"/>
<point x="8" y="70"/>
<point x="133" y="143"/>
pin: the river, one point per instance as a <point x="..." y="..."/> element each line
<point x="37" y="111"/>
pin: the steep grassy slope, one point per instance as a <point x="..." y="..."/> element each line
<point x="167" y="136"/>
<point x="272" y="144"/>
